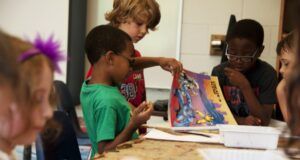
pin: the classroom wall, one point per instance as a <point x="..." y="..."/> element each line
<point x="201" y="18"/>
<point x="162" y="42"/>
<point x="26" y="18"/>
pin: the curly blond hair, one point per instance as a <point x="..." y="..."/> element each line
<point x="138" y="10"/>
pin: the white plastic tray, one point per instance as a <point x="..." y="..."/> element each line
<point x="249" y="136"/>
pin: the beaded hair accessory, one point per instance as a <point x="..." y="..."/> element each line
<point x="48" y="47"/>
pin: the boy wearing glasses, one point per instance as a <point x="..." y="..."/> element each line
<point x="247" y="82"/>
<point x="105" y="110"/>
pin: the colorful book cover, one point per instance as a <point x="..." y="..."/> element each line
<point x="197" y="102"/>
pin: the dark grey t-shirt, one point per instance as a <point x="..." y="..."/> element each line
<point x="263" y="80"/>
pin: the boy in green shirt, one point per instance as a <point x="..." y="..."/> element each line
<point x="106" y="112"/>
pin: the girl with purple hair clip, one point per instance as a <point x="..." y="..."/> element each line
<point x="34" y="98"/>
<point x="37" y="61"/>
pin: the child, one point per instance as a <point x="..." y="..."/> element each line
<point x="286" y="52"/>
<point x="293" y="94"/>
<point x="247" y="82"/>
<point x="106" y="112"/>
<point x="36" y="65"/>
<point x="136" y="17"/>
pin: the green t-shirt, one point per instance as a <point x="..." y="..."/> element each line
<point x="106" y="112"/>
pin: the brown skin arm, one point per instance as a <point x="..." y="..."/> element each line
<point x="139" y="116"/>
<point x="259" y="111"/>
<point x="281" y="97"/>
<point x="168" y="64"/>
<point x="124" y="136"/>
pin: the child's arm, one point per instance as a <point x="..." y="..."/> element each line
<point x="260" y="111"/>
<point x="168" y="64"/>
<point x="139" y="116"/>
<point x="281" y="96"/>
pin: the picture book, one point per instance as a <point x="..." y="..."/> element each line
<point x="196" y="102"/>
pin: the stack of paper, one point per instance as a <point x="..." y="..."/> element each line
<point x="157" y="134"/>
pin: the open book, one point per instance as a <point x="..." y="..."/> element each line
<point x="196" y="102"/>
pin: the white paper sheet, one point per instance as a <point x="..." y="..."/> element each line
<point x="157" y="134"/>
<point x="241" y="154"/>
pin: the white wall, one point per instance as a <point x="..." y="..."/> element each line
<point x="26" y="18"/>
<point x="162" y="42"/>
<point x="202" y="18"/>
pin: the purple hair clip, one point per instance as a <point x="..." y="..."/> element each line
<point x="48" y="47"/>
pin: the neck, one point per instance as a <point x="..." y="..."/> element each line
<point x="6" y="146"/>
<point x="100" y="76"/>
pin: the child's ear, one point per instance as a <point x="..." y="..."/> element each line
<point x="109" y="57"/>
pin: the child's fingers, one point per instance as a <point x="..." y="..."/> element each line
<point x="147" y="113"/>
<point x="170" y="69"/>
<point x="141" y="107"/>
<point x="174" y="67"/>
<point x="149" y="107"/>
<point x="228" y="72"/>
<point x="179" y="67"/>
<point x="257" y="121"/>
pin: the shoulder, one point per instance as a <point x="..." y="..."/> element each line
<point x="262" y="71"/>
<point x="100" y="95"/>
<point x="281" y="87"/>
<point x="110" y="98"/>
<point x="264" y="75"/>
<point x="265" y="67"/>
<point x="268" y="74"/>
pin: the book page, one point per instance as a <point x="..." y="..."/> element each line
<point x="196" y="101"/>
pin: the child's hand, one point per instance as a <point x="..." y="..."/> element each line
<point x="250" y="120"/>
<point x="171" y="65"/>
<point x="141" y="114"/>
<point x="236" y="78"/>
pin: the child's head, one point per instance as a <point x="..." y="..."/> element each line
<point x="244" y="44"/>
<point x="37" y="63"/>
<point x="286" y="49"/>
<point x="110" y="49"/>
<point x="134" y="17"/>
<point x="37" y="77"/>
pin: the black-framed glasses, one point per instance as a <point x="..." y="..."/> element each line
<point x="246" y="59"/>
<point x="130" y="60"/>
